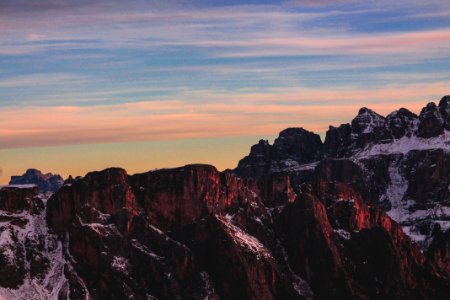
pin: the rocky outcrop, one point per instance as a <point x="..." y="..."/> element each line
<point x="338" y="140"/>
<point x="293" y="147"/>
<point x="15" y="199"/>
<point x="298" y="144"/>
<point x="45" y="182"/>
<point x="258" y="161"/>
<point x="107" y="191"/>
<point x="402" y="123"/>
<point x="431" y="123"/>
<point x="439" y="251"/>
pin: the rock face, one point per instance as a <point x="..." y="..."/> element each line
<point x="431" y="122"/>
<point x="348" y="250"/>
<point x="45" y="182"/>
<point x="197" y="233"/>
<point x="292" y="148"/>
<point x="190" y="232"/>
<point x="15" y="199"/>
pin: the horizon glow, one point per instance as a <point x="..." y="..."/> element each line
<point x="144" y="84"/>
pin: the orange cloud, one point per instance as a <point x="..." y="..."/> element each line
<point x="211" y="115"/>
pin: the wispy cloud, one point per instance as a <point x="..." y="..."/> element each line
<point x="240" y="115"/>
<point x="48" y="79"/>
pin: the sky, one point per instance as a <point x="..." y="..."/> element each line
<point x="86" y="85"/>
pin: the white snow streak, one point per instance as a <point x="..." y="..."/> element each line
<point x="244" y="239"/>
<point x="48" y="286"/>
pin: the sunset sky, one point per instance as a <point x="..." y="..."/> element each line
<point x="86" y="85"/>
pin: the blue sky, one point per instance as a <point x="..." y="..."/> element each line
<point x="98" y="72"/>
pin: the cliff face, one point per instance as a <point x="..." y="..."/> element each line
<point x="15" y="199"/>
<point x="193" y="232"/>
<point x="190" y="232"/>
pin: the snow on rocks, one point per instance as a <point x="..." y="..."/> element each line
<point x="120" y="264"/>
<point x="243" y="239"/>
<point x="290" y="165"/>
<point x="406" y="144"/>
<point x="343" y="233"/>
<point x="19" y="186"/>
<point x="46" y="283"/>
<point x="395" y="192"/>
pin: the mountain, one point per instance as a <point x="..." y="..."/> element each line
<point x="45" y="182"/>
<point x="299" y="219"/>
<point x="400" y="163"/>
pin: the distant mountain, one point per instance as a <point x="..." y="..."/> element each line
<point x="45" y="182"/>
<point x="400" y="163"/>
<point x="299" y="219"/>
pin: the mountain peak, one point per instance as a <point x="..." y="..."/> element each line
<point x="365" y="110"/>
<point x="431" y="121"/>
<point x="46" y="182"/>
<point x="445" y="101"/>
<point x="294" y="131"/>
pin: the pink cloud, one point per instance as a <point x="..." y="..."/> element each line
<point x="317" y="2"/>
<point x="392" y="43"/>
<point x="222" y="116"/>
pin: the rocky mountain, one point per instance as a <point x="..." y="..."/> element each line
<point x="400" y="163"/>
<point x="299" y="219"/>
<point x="196" y="233"/>
<point x="45" y="182"/>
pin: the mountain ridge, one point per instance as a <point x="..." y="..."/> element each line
<point x="403" y="160"/>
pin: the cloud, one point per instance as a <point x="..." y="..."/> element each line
<point x="208" y="116"/>
<point x="411" y="43"/>
<point x="33" y="37"/>
<point x="317" y="3"/>
<point x="40" y="79"/>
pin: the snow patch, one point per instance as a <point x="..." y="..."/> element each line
<point x="290" y="165"/>
<point x="406" y="144"/>
<point x="244" y="239"/>
<point x="343" y="233"/>
<point x="120" y="264"/>
<point x="18" y="186"/>
<point x="396" y="191"/>
<point x="146" y="250"/>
